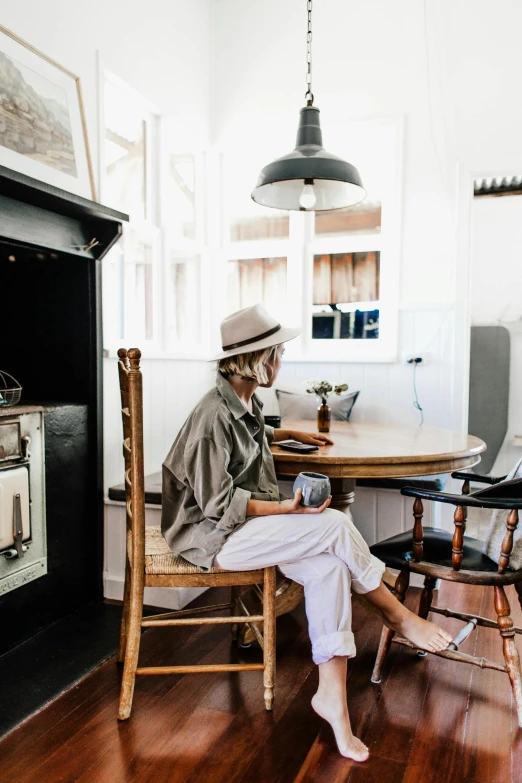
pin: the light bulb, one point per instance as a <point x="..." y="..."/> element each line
<point x="307" y="198"/>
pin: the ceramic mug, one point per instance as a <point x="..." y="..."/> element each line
<point x="315" y="488"/>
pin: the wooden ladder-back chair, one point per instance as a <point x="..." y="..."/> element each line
<point x="438" y="554"/>
<point x="150" y="563"/>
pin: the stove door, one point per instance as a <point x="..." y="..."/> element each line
<point x="13" y="482"/>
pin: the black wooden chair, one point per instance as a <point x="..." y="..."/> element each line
<point x="438" y="554"/>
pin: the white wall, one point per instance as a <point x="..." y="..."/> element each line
<point x="496" y="283"/>
<point x="161" y="48"/>
<point x="170" y="391"/>
<point x="370" y="61"/>
<point x="451" y="73"/>
<point x="496" y="260"/>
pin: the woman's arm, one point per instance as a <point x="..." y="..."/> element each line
<point x="266" y="508"/>
<point x="314" y="438"/>
<point x="206" y="468"/>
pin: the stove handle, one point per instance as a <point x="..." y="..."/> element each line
<point x="26" y="443"/>
<point x="17" y="525"/>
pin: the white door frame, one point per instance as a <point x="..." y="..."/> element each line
<point x="462" y="310"/>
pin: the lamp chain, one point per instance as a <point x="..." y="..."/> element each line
<point x="309" y="97"/>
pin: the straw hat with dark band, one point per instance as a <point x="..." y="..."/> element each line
<point x="252" y="329"/>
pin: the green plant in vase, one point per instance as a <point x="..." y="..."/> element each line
<point x="322" y="390"/>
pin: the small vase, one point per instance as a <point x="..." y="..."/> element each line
<point x="323" y="417"/>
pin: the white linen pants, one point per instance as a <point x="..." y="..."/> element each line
<point x="323" y="552"/>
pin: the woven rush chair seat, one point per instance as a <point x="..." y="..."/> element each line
<point x="160" y="560"/>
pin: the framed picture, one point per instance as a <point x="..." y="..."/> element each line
<point x="42" y="123"/>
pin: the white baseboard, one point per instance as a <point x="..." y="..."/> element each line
<point x="163" y="597"/>
<point x="113" y="578"/>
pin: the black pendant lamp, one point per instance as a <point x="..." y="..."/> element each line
<point x="309" y="178"/>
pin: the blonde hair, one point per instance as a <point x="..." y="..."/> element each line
<point x="250" y="365"/>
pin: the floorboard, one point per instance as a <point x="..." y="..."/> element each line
<point x="429" y="719"/>
<point x="492" y="741"/>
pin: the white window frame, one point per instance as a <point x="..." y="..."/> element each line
<point x="300" y="247"/>
<point x="149" y="233"/>
<point x="185" y="247"/>
<point x="156" y="224"/>
<point x="378" y="349"/>
<point x="149" y="226"/>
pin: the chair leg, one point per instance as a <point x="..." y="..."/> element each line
<point x="269" y="635"/>
<point x="235" y="591"/>
<point x="518" y="588"/>
<point x="426" y="596"/>
<point x="511" y="656"/>
<point x="425" y="604"/>
<point x="125" y="614"/>
<point x="401" y="586"/>
<point x="132" y="649"/>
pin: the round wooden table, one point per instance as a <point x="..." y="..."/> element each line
<point x="377" y="451"/>
<point x="369" y="451"/>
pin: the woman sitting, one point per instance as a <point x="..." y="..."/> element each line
<point x="222" y="508"/>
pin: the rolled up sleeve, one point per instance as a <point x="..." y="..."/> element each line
<point x="269" y="432"/>
<point x="206" y="464"/>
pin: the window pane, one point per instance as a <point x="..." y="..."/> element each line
<point x="260" y="227"/>
<point x="357" y="324"/>
<point x="257" y="280"/>
<point x="180" y="197"/>
<point x="248" y="220"/>
<point x="113" y="282"/>
<point x="125" y="159"/>
<point x="183" y="299"/>
<point x="139" y="285"/>
<point x="364" y="218"/>
<point x="345" y="293"/>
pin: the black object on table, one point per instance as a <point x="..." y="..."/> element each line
<point x="273" y="421"/>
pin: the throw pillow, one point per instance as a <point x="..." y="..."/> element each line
<point x="304" y="406"/>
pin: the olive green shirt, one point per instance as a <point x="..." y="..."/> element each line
<point x="219" y="461"/>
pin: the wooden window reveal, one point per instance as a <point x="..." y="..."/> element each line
<point x="346" y="277"/>
<point x="251" y="228"/>
<point x="362" y="220"/>
<point x="257" y="280"/>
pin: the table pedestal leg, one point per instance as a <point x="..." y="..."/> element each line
<point x="343" y="494"/>
<point x="289" y="594"/>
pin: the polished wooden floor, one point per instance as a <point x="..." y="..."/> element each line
<point x="430" y="720"/>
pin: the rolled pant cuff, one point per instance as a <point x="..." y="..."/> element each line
<point x="340" y="643"/>
<point x="371" y="578"/>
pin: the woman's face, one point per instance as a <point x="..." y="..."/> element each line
<point x="274" y="366"/>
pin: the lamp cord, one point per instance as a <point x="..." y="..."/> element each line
<point x="416" y="403"/>
<point x="309" y="96"/>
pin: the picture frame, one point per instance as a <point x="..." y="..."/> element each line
<point x="43" y="132"/>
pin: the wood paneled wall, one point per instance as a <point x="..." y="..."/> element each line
<point x="255" y="278"/>
<point x="346" y="277"/>
<point x="173" y="387"/>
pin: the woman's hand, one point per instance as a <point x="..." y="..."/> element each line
<point x="313" y="438"/>
<point x="294" y="506"/>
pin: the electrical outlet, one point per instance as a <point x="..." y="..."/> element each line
<point x="414" y="359"/>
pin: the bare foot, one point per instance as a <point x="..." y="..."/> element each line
<point x="426" y="635"/>
<point x="339" y="720"/>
